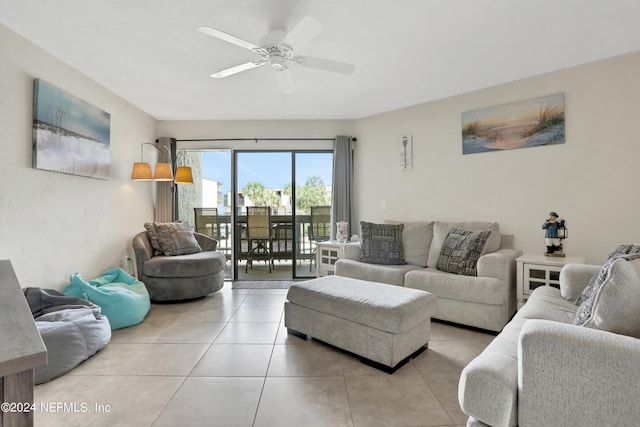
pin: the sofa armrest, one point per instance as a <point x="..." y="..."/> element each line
<point x="488" y="387"/>
<point x="500" y="264"/>
<point x="142" y="250"/>
<point x="572" y="375"/>
<point x="206" y="243"/>
<point x="574" y="278"/>
<point x="352" y="250"/>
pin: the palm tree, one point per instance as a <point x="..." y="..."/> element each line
<point x="260" y="195"/>
<point x="313" y="193"/>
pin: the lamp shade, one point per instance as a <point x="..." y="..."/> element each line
<point x="141" y="172"/>
<point x="184" y="175"/>
<point x="163" y="172"/>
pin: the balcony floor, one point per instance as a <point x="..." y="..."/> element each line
<point x="282" y="271"/>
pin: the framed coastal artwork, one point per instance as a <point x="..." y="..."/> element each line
<point x="531" y="123"/>
<point x="69" y="135"/>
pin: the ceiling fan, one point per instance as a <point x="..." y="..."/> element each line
<point x="278" y="49"/>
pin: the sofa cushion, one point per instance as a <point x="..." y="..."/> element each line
<point x="482" y="290"/>
<point x="441" y="229"/>
<point x="615" y="298"/>
<point x="382" y="243"/>
<point x="176" y="238"/>
<point x="389" y="274"/>
<point x="193" y="265"/>
<point x="416" y="239"/>
<point x="461" y="250"/>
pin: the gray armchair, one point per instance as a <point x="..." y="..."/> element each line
<point x="180" y="277"/>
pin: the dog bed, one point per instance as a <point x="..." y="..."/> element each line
<point x="123" y="298"/>
<point x="71" y="328"/>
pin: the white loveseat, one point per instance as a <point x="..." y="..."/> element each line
<point x="542" y="370"/>
<point x="485" y="301"/>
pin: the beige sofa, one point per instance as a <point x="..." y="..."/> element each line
<point x="543" y="370"/>
<point x="485" y="301"/>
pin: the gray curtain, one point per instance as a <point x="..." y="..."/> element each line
<point x="164" y="190"/>
<point x="342" y="194"/>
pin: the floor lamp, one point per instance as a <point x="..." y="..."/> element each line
<point x="164" y="171"/>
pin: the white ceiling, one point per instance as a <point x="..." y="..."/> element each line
<point x="406" y="51"/>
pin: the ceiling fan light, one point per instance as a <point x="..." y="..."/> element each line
<point x="278" y="62"/>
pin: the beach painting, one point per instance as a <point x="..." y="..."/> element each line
<point x="531" y="123"/>
<point x="69" y="135"/>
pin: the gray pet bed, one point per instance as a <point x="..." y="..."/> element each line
<point x="72" y="329"/>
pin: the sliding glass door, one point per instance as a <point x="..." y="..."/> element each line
<point x="289" y="182"/>
<point x="313" y="173"/>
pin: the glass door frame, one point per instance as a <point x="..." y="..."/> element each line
<point x="234" y="203"/>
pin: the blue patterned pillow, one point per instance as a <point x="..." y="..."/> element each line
<point x="382" y="243"/>
<point x="613" y="303"/>
<point x="599" y="277"/>
<point x="461" y="250"/>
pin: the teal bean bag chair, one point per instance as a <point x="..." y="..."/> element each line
<point x="122" y="298"/>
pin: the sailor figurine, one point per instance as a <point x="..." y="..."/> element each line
<point x="551" y="235"/>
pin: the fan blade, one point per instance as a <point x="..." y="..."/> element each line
<point x="285" y="80"/>
<point x="305" y="31"/>
<point x="238" y="69"/>
<point x="232" y="39"/>
<point x="324" y="64"/>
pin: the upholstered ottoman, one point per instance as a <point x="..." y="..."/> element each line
<point x="383" y="324"/>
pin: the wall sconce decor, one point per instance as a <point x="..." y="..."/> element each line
<point x="405" y="152"/>
<point x="163" y="171"/>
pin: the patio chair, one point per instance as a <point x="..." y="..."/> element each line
<point x="207" y="222"/>
<point x="259" y="232"/>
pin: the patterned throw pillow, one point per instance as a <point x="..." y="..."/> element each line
<point x="599" y="277"/>
<point x="614" y="300"/>
<point x="461" y="250"/>
<point x="176" y="238"/>
<point x="382" y="243"/>
<point x="152" y="233"/>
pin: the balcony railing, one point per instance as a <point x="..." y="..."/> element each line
<point x="282" y="234"/>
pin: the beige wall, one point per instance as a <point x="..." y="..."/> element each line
<point x="591" y="180"/>
<point x="53" y="224"/>
<point x="588" y="180"/>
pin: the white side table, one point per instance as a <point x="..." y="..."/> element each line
<point x="534" y="270"/>
<point x="327" y="253"/>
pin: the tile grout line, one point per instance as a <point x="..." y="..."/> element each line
<point x="185" y="378"/>
<point x="266" y="374"/>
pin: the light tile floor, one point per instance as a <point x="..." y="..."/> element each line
<point x="227" y="360"/>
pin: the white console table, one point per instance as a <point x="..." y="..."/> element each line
<point x="327" y="253"/>
<point x="534" y="270"/>
<point x="21" y="352"/>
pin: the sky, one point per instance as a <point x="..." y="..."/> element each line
<point x="273" y="169"/>
<point x="58" y="108"/>
<point x="513" y="112"/>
